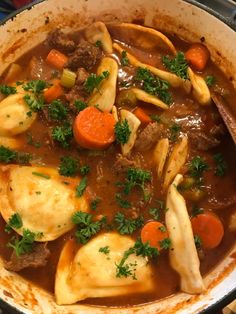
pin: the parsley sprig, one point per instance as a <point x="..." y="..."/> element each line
<point x="197" y="166"/>
<point x="221" y="165"/>
<point x="154" y="85"/>
<point x="122" y="131"/>
<point x="93" y="81"/>
<point x="11" y="156"/>
<point x="124" y="59"/>
<point x="127" y="225"/>
<point x="68" y="166"/>
<point x="177" y="65"/>
<point x="7" y="90"/>
<point x="57" y="111"/>
<point x="15" y="222"/>
<point x="63" y="134"/>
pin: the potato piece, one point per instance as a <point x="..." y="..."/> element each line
<point x="173" y="79"/>
<point x="98" y="32"/>
<point x="143" y="96"/>
<point x="13" y="71"/>
<point x="200" y="89"/>
<point x="183" y="255"/>
<point x="10" y="142"/>
<point x="104" y="98"/>
<point x="13" y="115"/>
<point x="176" y="161"/>
<point x="133" y="123"/>
<point x="114" y="112"/>
<point x="160" y="155"/>
<point x="232" y="222"/>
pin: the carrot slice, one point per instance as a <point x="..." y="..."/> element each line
<point x="154" y="232"/>
<point x="142" y="116"/>
<point x="94" y="129"/>
<point x="53" y="92"/>
<point x="209" y="228"/>
<point x="57" y="59"/>
<point x="198" y="56"/>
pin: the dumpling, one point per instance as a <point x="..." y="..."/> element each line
<point x="183" y="255"/>
<point x="14" y="117"/>
<point x="86" y="272"/>
<point x="41" y="198"/>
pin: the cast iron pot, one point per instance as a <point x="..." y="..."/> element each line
<point x="28" y="28"/>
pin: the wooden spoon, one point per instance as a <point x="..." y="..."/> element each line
<point x="226" y="114"/>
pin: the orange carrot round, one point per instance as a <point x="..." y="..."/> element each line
<point x="142" y="116"/>
<point x="53" y="92"/>
<point x="94" y="129"/>
<point x="56" y="59"/>
<point x="154" y="232"/>
<point x="209" y="228"/>
<point x="198" y="56"/>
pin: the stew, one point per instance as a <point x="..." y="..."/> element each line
<point x="117" y="172"/>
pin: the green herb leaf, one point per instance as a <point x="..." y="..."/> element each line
<point x="155" y="118"/>
<point x="124" y="59"/>
<point x="15" y="222"/>
<point x="198" y="241"/>
<point x="30" y="141"/>
<point x="174" y="131"/>
<point x="68" y="167"/>
<point x="84" y="170"/>
<point x="127" y="225"/>
<point x="35" y="103"/>
<point x="98" y="44"/>
<point x="93" y="81"/>
<point x="177" y="65"/>
<point x="7" y="155"/>
<point x="42" y="175"/>
<point x="24" y="244"/>
<point x="7" y="90"/>
<point x="57" y="110"/>
<point x="197" y="166"/>
<point x="196" y="211"/>
<point x="80" y="105"/>
<point x="105" y="250"/>
<point x="63" y="134"/>
<point x="165" y="244"/>
<point x="155" y="213"/>
<point x="221" y="165"/>
<point x="35" y="86"/>
<point x="94" y="203"/>
<point x="145" y="250"/>
<point x="210" y="80"/>
<point x="122" y="132"/>
<point x="81" y="187"/>
<point x="154" y="85"/>
<point x="123" y="203"/>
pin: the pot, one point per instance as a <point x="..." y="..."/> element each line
<point x="27" y="29"/>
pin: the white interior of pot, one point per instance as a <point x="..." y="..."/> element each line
<point x="30" y="28"/>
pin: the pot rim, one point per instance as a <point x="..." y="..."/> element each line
<point x="224" y="300"/>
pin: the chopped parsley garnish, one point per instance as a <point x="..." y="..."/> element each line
<point x="35" y="103"/>
<point x="124" y="269"/>
<point x="162" y="229"/>
<point x="94" y="203"/>
<point x="93" y="81"/>
<point x="36" y="86"/>
<point x="165" y="244"/>
<point x="86" y="226"/>
<point x="124" y="59"/>
<point x="68" y="166"/>
<point x="127" y="225"/>
<point x="24" y="244"/>
<point x="177" y="65"/>
<point x="122" y="132"/>
<point x="81" y="187"/>
<point x="196" y="211"/>
<point x="57" y="110"/>
<point x="84" y="170"/>
<point x="174" y="132"/>
<point x="154" y="85"/>
<point x="15" y="222"/>
<point x="135" y="177"/>
<point x="7" y="155"/>
<point x="221" y="165"/>
<point x="198" y="241"/>
<point x="197" y="166"/>
<point x="123" y="203"/>
<point x="80" y="105"/>
<point x="42" y="175"/>
<point x="210" y="80"/>
<point x="30" y="141"/>
<point x="98" y="44"/>
<point x="105" y="250"/>
<point x="7" y="90"/>
<point x="63" y="134"/>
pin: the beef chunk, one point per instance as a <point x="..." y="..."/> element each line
<point x="149" y="136"/>
<point x="82" y="76"/>
<point x="58" y="40"/>
<point x="123" y="163"/>
<point x="37" y="258"/>
<point x="77" y="93"/>
<point x="85" y="56"/>
<point x="203" y="141"/>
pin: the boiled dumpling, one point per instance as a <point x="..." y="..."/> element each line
<point x="14" y="115"/>
<point x="41" y="198"/>
<point x="86" y="272"/>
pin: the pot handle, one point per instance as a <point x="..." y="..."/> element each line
<point x="226" y="9"/>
